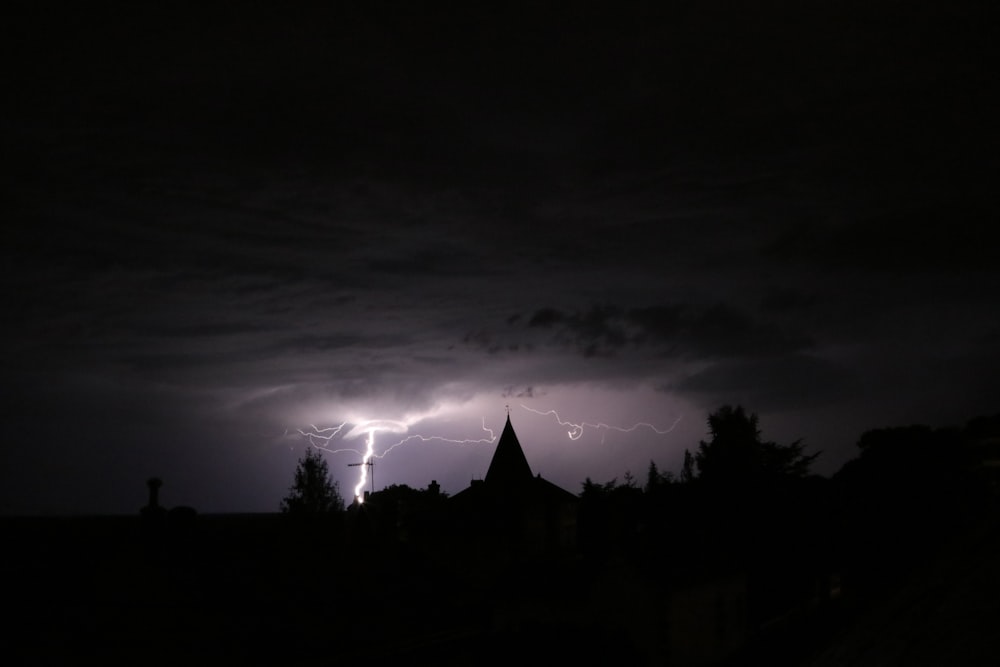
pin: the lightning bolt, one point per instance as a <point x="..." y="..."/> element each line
<point x="322" y="438"/>
<point x="575" y="431"/>
<point x="369" y="451"/>
<point x="319" y="434"/>
<point x="429" y="438"/>
<point x="333" y="439"/>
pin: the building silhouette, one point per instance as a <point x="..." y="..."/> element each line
<point x="514" y="514"/>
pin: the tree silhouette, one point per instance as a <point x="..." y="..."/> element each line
<point x="909" y="490"/>
<point x="737" y="454"/>
<point x="687" y="471"/>
<point x="656" y="480"/>
<point x="314" y="490"/>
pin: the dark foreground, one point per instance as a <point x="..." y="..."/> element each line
<point x="260" y="590"/>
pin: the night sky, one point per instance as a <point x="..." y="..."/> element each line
<point x="231" y="224"/>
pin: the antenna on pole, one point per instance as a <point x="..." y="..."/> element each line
<point x="371" y="470"/>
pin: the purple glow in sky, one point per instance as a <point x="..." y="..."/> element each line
<point x="221" y="229"/>
<point x="447" y="443"/>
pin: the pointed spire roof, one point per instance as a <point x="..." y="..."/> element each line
<point x="509" y="465"/>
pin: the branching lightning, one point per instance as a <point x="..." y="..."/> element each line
<point x="319" y="433"/>
<point x="333" y="439"/>
<point x="321" y="438"/>
<point x="575" y="431"/>
<point x="438" y="438"/>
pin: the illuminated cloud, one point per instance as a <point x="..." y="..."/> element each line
<point x="622" y="217"/>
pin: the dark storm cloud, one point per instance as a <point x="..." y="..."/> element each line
<point x="718" y="330"/>
<point x="596" y="332"/>
<point x="685" y="331"/>
<point x="519" y="392"/>
<point x="934" y="237"/>
<point x="439" y="261"/>
<point x="793" y="381"/>
<point x="220" y="222"/>
<point x="784" y="299"/>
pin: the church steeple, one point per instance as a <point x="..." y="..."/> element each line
<point x="509" y="465"/>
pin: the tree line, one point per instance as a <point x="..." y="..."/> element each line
<point x="744" y="504"/>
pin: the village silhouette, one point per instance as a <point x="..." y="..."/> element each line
<point x="742" y="557"/>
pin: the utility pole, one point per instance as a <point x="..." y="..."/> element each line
<point x="371" y="470"/>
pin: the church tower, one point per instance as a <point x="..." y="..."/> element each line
<point x="509" y="467"/>
<point x="514" y="513"/>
